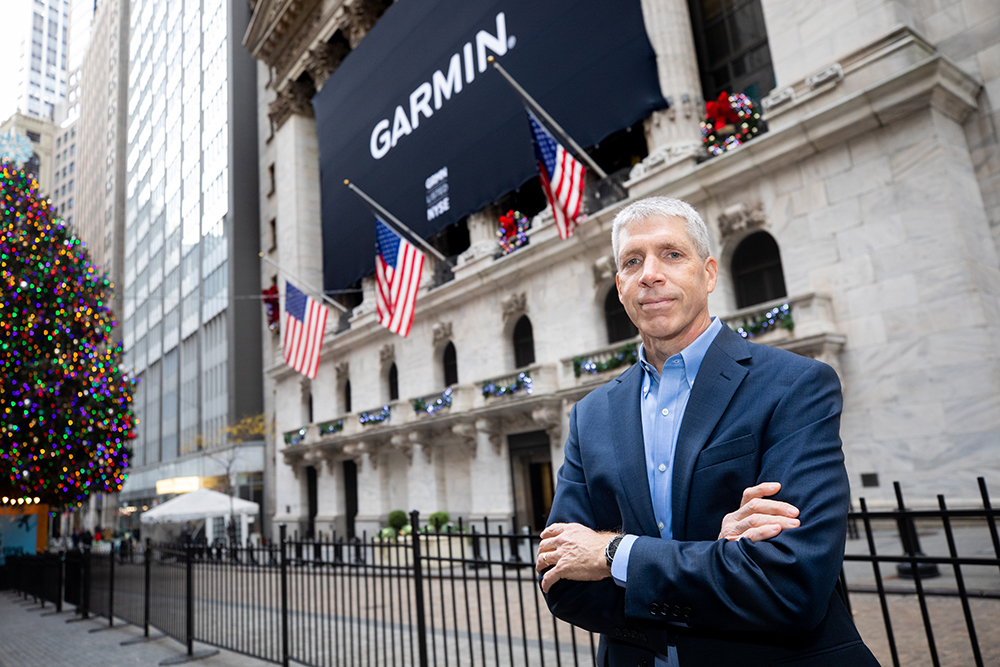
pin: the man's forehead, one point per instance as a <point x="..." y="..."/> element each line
<point x="669" y="226"/>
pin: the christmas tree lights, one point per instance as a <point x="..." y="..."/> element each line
<point x="65" y="406"/>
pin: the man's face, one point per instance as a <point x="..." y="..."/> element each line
<point x="662" y="282"/>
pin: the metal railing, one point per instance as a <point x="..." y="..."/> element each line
<point x="468" y="594"/>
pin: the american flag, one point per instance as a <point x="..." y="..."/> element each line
<point x="305" y="322"/>
<point x="562" y="177"/>
<point x="398" y="267"/>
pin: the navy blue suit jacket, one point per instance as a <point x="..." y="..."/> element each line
<point x="755" y="414"/>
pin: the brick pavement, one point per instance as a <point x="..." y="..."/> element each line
<point x="28" y="639"/>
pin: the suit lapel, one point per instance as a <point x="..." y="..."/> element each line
<point x="718" y="379"/>
<point x="626" y="434"/>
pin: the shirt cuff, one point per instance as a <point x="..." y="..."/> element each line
<point x="619" y="566"/>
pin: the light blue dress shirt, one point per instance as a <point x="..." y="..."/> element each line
<point x="662" y="404"/>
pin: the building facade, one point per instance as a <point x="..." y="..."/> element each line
<point x="863" y="219"/>
<point x="43" y="64"/>
<point x="190" y="248"/>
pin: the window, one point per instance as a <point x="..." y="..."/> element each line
<point x="733" y="54"/>
<point x="393" y="383"/>
<point x="34" y="136"/>
<point x="270" y="174"/>
<point x="347" y="396"/>
<point x="619" y="325"/>
<point x="450" y="363"/>
<point x="273" y="225"/>
<point x="524" y="343"/>
<point x="757" y="274"/>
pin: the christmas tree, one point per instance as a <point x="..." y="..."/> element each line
<point x="65" y="406"/>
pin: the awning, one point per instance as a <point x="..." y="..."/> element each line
<point x="199" y="504"/>
<point x="416" y="117"/>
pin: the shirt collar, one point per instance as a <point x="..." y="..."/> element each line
<point x="692" y="355"/>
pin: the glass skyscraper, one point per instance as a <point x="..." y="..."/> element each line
<point x="190" y="234"/>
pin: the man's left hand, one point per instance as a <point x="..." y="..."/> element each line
<point x="572" y="551"/>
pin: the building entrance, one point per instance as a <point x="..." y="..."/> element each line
<point x="531" y="477"/>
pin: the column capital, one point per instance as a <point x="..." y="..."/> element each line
<point x="293" y="99"/>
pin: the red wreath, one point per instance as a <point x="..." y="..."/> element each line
<point x="509" y="224"/>
<point x="720" y="112"/>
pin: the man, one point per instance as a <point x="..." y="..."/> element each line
<point x="656" y="458"/>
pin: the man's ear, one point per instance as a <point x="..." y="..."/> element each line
<point x="712" y="271"/>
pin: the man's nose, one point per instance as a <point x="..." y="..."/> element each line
<point x="652" y="272"/>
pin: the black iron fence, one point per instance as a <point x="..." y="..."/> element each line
<point x="469" y="596"/>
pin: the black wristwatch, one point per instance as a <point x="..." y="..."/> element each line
<point x="609" y="551"/>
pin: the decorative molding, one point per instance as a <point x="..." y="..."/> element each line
<point x="387" y="355"/>
<point x="514" y="305"/>
<point x="442" y="333"/>
<point x="343" y="371"/>
<point x="323" y="60"/>
<point x="777" y="97"/>
<point x="740" y="218"/>
<point x="665" y="155"/>
<point x="604" y="269"/>
<point x="491" y="429"/>
<point x="423" y="441"/>
<point x="360" y="16"/>
<point x="833" y="72"/>
<point x="293" y="99"/>
<point x="402" y="444"/>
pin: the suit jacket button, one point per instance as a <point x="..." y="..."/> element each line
<point x="641" y="662"/>
<point x="654" y="608"/>
<point x="617" y="632"/>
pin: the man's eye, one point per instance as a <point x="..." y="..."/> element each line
<point x="631" y="262"/>
<point x="674" y="255"/>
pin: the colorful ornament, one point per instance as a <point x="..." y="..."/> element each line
<point x="512" y="232"/>
<point x="730" y="121"/>
<point x="65" y="403"/>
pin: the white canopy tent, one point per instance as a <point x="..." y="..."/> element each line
<point x="203" y="504"/>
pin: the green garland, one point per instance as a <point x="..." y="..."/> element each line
<point x="420" y="406"/>
<point x="369" y="418"/>
<point x="296" y="436"/>
<point x="782" y="316"/>
<point x="627" y="354"/>
<point x="523" y="381"/>
<point x="335" y="426"/>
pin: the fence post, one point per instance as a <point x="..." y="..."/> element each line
<point x="111" y="587"/>
<point x="911" y="543"/>
<point x="189" y="598"/>
<point x="418" y="584"/>
<point x="284" y="595"/>
<point x="85" y="558"/>
<point x="59" y="582"/>
<point x="147" y="585"/>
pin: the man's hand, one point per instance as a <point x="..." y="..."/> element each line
<point x="572" y="551"/>
<point x="759" y="519"/>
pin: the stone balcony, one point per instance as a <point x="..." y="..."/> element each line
<point x="803" y="324"/>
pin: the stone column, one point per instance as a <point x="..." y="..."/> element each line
<point x="674" y="132"/>
<point x="490" y="475"/>
<point x="297" y="185"/>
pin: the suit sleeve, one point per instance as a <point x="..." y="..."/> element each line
<point x="777" y="585"/>
<point x="597" y="606"/>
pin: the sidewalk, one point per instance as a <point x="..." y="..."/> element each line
<point x="28" y="639"/>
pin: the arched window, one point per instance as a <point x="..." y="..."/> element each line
<point x="619" y="325"/>
<point x="524" y="343"/>
<point x="757" y="274"/>
<point x="347" y="397"/>
<point x="393" y="383"/>
<point x="450" y="363"/>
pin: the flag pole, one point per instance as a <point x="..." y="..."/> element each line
<point x="582" y="154"/>
<point x="339" y="306"/>
<point x="396" y="221"/>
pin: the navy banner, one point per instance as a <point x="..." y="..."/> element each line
<point x="418" y="119"/>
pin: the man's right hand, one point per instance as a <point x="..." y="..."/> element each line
<point x="758" y="518"/>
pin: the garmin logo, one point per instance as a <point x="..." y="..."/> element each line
<point x="441" y="87"/>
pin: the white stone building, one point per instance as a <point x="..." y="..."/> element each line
<point x="870" y="206"/>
